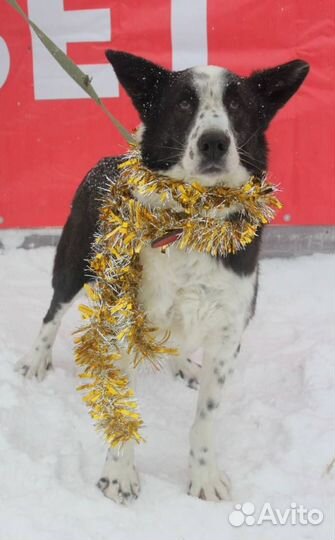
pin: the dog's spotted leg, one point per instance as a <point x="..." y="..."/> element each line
<point x="207" y="481"/>
<point x="39" y="360"/>
<point x="119" y="480"/>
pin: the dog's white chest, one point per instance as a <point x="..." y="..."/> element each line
<point x="192" y="294"/>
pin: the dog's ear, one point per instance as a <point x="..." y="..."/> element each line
<point x="275" y="86"/>
<point x="142" y="80"/>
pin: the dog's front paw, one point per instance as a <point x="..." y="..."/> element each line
<point x="187" y="370"/>
<point x="122" y="486"/>
<point x="36" y="365"/>
<point x="209" y="485"/>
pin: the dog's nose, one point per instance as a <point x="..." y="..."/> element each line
<point x="213" y="145"/>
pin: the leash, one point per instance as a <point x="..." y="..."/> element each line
<point x="81" y="78"/>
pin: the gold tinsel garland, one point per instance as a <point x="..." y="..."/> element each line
<point x="115" y="322"/>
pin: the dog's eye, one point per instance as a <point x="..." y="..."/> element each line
<point x="234" y="105"/>
<point x="185" y="105"/>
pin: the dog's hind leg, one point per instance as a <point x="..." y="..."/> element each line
<point x="69" y="276"/>
<point x="71" y="267"/>
<point x="39" y="359"/>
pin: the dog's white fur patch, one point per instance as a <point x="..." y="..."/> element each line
<point x="192" y="295"/>
<point x="210" y="82"/>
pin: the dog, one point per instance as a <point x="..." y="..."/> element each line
<point x="204" y="123"/>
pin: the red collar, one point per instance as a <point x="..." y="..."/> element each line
<point x="164" y="241"/>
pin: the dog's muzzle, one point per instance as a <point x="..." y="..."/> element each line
<point x="213" y="146"/>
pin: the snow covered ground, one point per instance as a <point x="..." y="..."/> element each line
<point x="274" y="430"/>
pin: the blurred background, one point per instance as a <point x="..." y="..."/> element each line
<point x="51" y="133"/>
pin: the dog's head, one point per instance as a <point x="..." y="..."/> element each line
<point x="205" y="123"/>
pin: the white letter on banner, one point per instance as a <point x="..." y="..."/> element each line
<point x="4" y="61"/>
<point x="189" y="33"/>
<point x="50" y="80"/>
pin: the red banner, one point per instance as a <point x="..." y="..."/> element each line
<point x="52" y="134"/>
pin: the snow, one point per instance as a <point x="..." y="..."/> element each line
<point x="275" y="428"/>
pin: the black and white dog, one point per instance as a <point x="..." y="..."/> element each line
<point x="204" y="123"/>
